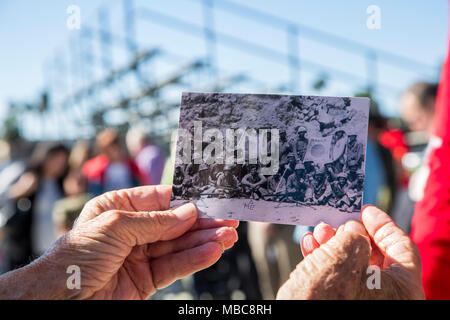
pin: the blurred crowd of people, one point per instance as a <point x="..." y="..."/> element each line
<point x="41" y="195"/>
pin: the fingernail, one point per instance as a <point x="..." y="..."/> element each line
<point x="308" y="241"/>
<point x="185" y="212"/>
<point x="367" y="206"/>
<point x="320" y="224"/>
<point x="355" y="226"/>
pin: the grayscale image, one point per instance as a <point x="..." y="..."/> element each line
<point x="274" y="158"/>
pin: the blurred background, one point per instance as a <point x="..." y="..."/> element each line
<point x="90" y="93"/>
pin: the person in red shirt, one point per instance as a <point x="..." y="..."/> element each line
<point x="430" y="228"/>
<point x="112" y="169"/>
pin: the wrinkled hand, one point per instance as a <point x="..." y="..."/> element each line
<point x="336" y="262"/>
<point x="127" y="248"/>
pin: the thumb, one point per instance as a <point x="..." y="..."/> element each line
<point x="137" y="228"/>
<point x="393" y="242"/>
<point x="333" y="271"/>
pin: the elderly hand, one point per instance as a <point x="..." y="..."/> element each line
<point x="336" y="262"/>
<point x="126" y="248"/>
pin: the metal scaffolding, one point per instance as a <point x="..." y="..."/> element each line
<point x="89" y="85"/>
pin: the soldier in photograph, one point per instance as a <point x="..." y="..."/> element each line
<point x="201" y="182"/>
<point x="330" y="174"/>
<point x="191" y="167"/>
<point x="337" y="150"/>
<point x="289" y="167"/>
<point x="253" y="183"/>
<point x="215" y="171"/>
<point x="190" y="176"/>
<point x="340" y="189"/>
<point x="285" y="149"/>
<point x="178" y="178"/>
<point x="296" y="186"/>
<point x="319" y="191"/>
<point x="300" y="143"/>
<point x="354" y="150"/>
<point x="353" y="172"/>
<point x="355" y="193"/>
<point x="228" y="185"/>
<point x="310" y="170"/>
<point x="276" y="186"/>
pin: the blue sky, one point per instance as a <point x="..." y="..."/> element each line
<point x="32" y="31"/>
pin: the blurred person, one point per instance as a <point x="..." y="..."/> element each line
<point x="234" y="276"/>
<point x="147" y="156"/>
<point x="417" y="111"/>
<point x="275" y="254"/>
<point x="29" y="231"/>
<point x="417" y="106"/>
<point x="4" y="153"/>
<point x="167" y="175"/>
<point x="430" y="227"/>
<point x="10" y="173"/>
<point x="383" y="145"/>
<point x="80" y="153"/>
<point x="15" y="162"/>
<point x="378" y="166"/>
<point x="111" y="169"/>
<point x="67" y="209"/>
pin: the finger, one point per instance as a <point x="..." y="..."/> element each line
<point x="376" y="257"/>
<point x="136" y="228"/>
<point x="392" y="241"/>
<point x="357" y="227"/>
<point x="205" y="223"/>
<point x="308" y="244"/>
<point x="340" y="229"/>
<point x="323" y="232"/>
<point x="333" y="271"/>
<point x="145" y="198"/>
<point x="226" y="236"/>
<point x="169" y="268"/>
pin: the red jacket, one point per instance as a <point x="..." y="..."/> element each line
<point x="94" y="170"/>
<point x="430" y="228"/>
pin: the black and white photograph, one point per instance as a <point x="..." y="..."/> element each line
<point x="274" y="158"/>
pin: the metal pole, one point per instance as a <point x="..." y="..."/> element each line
<point x="371" y="71"/>
<point x="130" y="27"/>
<point x="210" y="39"/>
<point x="293" y="58"/>
<point x="105" y="39"/>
